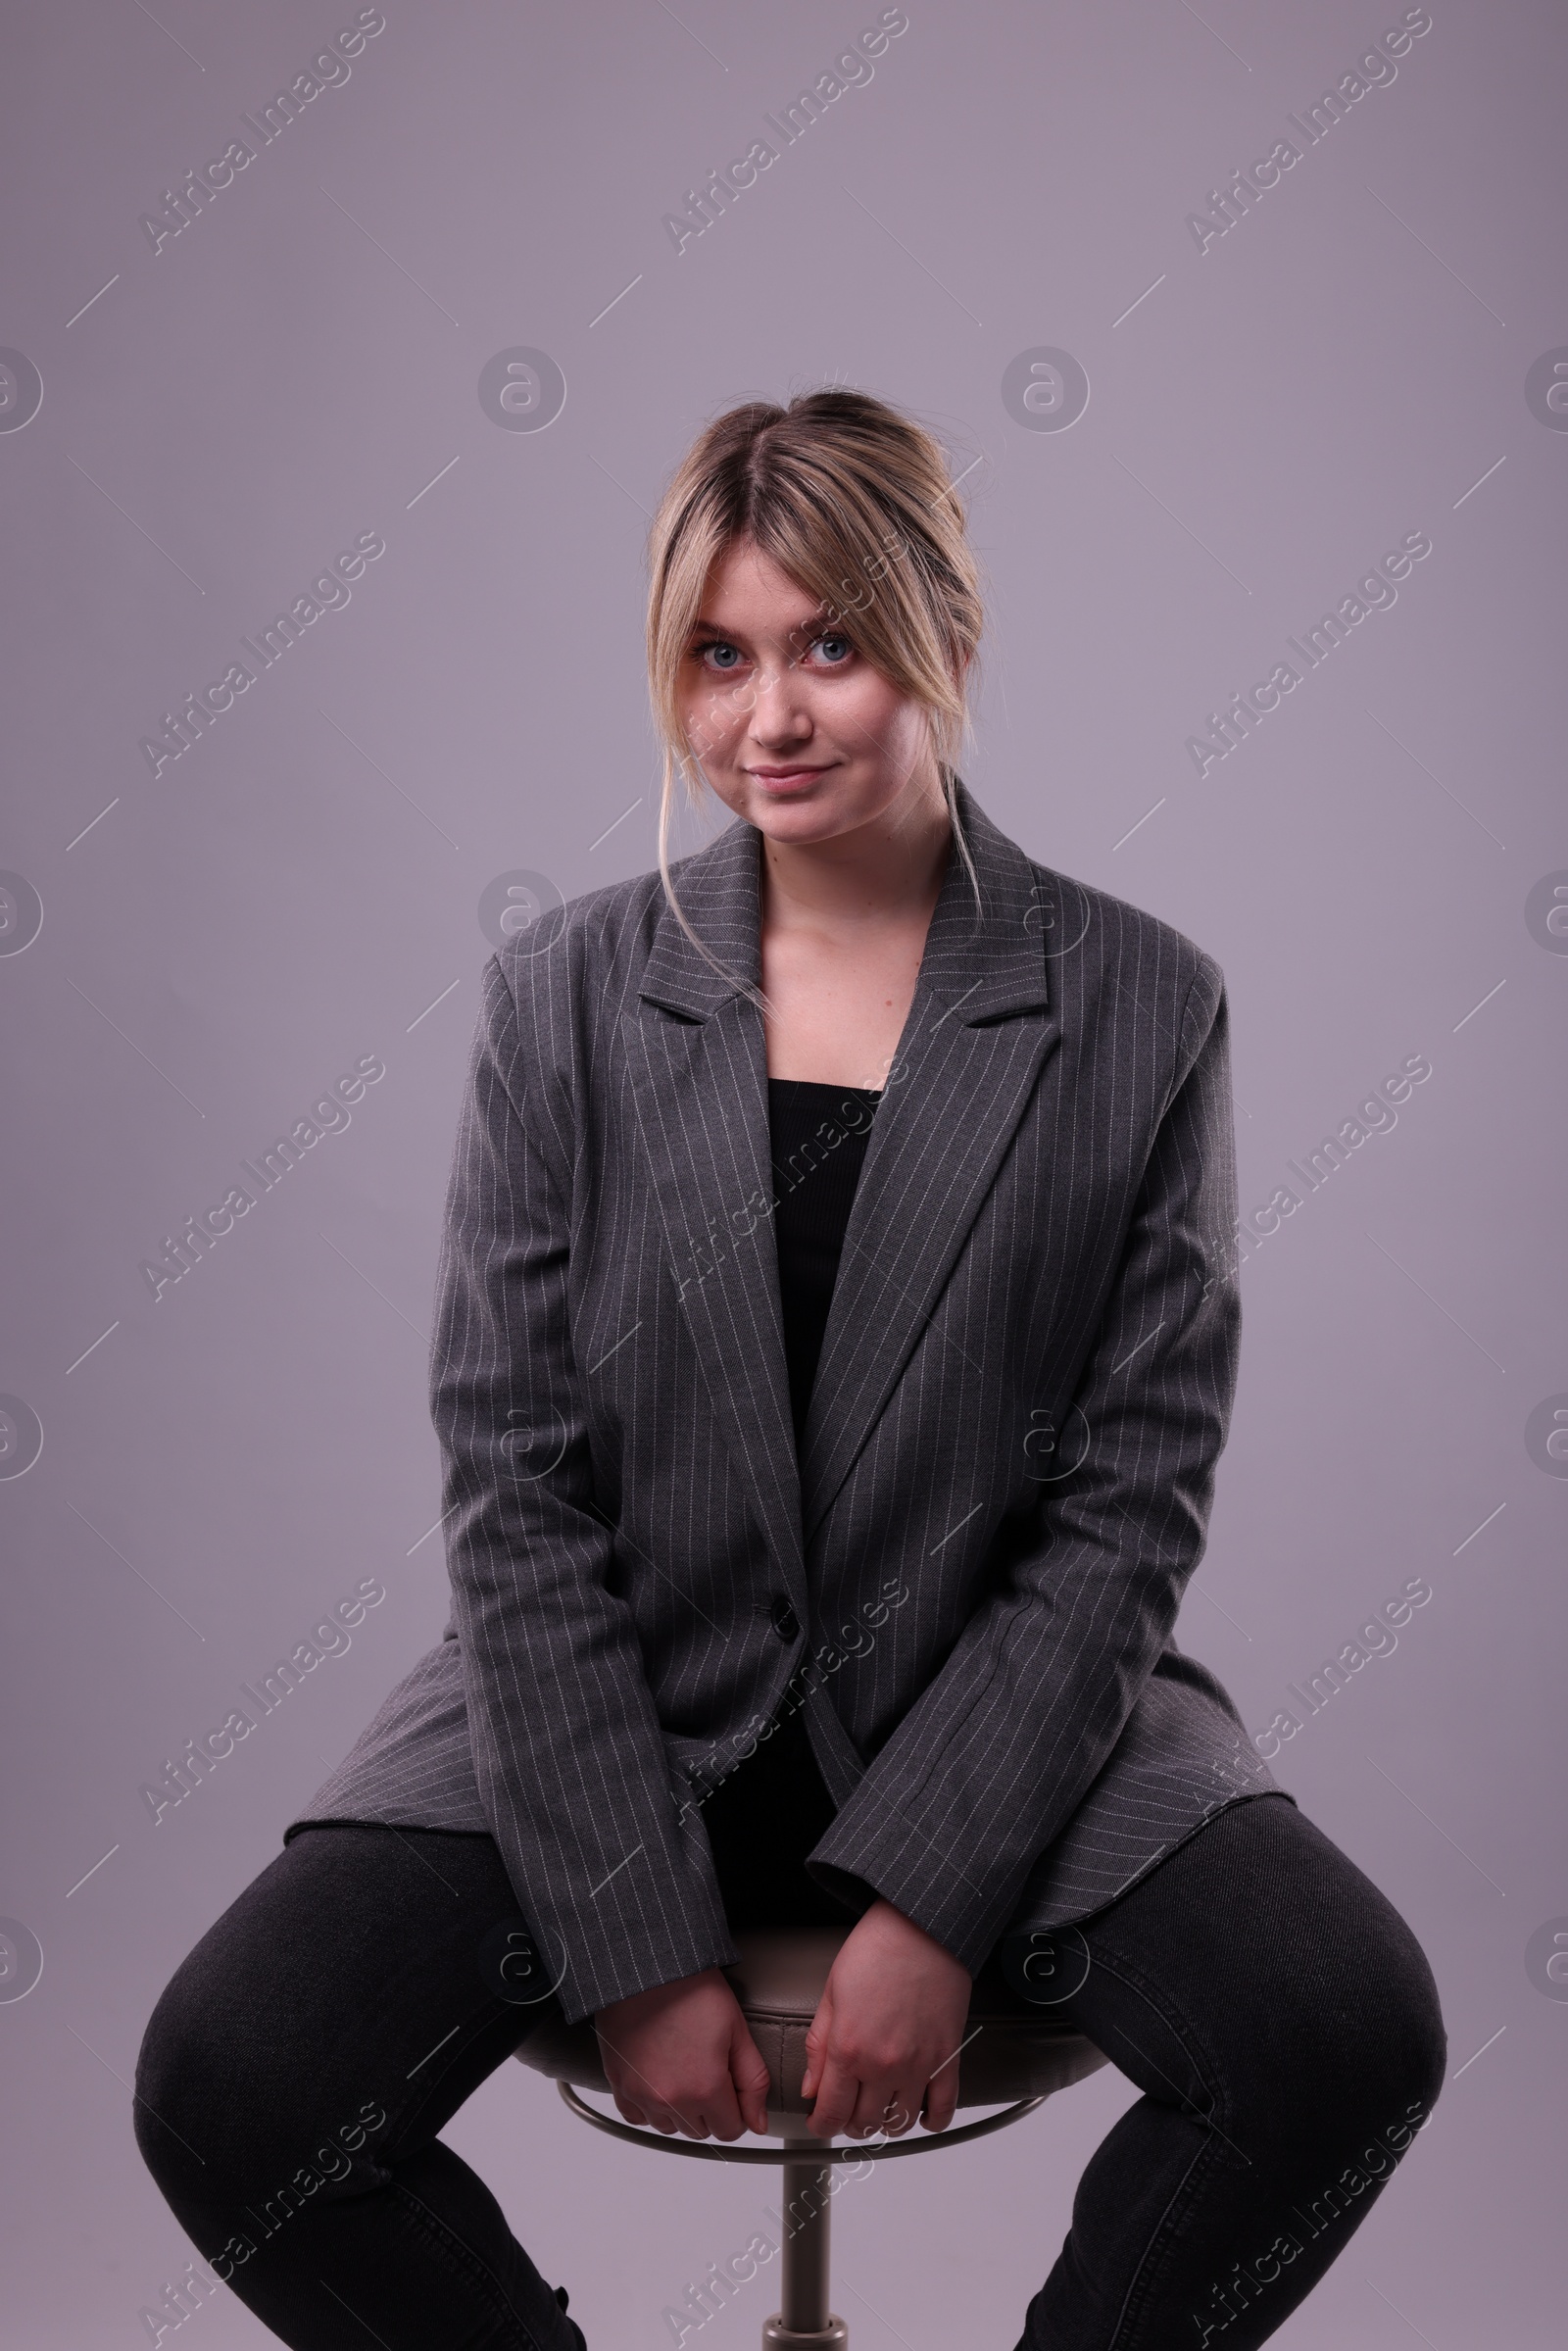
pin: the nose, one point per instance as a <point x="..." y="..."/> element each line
<point x="780" y="709"/>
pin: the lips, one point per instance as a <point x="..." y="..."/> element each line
<point x="786" y="775"/>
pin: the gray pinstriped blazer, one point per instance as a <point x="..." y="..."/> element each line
<point x="1004" y="1481"/>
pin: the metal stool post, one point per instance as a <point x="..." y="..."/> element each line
<point x="806" y="2216"/>
<point x="805" y="2277"/>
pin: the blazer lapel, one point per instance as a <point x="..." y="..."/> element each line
<point x="964" y="1069"/>
<point x="697" y="1058"/>
<point x="979" y="1029"/>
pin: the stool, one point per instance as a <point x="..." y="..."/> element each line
<point x="1014" y="2056"/>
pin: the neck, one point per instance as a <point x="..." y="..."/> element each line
<point x="886" y="870"/>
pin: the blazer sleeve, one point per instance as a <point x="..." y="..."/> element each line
<point x="573" y="1773"/>
<point x="989" y="1764"/>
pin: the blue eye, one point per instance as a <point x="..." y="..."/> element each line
<point x="829" y="639"/>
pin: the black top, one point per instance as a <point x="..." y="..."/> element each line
<point x="820" y="1135"/>
<point x="768" y="1814"/>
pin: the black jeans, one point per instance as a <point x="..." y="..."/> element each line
<point x="1275" y="2011"/>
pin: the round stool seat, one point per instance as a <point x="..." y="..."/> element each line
<point x="1011" y="2056"/>
<point x="1012" y="2051"/>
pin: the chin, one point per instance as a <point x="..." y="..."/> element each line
<point x="819" y="818"/>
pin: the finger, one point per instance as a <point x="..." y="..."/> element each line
<point x="721" y="2115"/>
<point x="835" y="2101"/>
<point x="909" y="2105"/>
<point x="881" y="2110"/>
<point x="889" y="2105"/>
<point x="941" y="2098"/>
<point x="816" y="2040"/>
<point x="753" y="2082"/>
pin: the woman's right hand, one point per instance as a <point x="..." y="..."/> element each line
<point x="680" y="2057"/>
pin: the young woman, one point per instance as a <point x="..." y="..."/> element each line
<point x="836" y="1340"/>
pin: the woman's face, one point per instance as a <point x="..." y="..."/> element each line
<point x="791" y="724"/>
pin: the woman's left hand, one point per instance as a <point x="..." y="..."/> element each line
<point x="882" y="2049"/>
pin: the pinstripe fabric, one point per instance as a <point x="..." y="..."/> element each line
<point x="1006" y="1474"/>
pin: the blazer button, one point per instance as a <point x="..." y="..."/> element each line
<point x="786" y="1624"/>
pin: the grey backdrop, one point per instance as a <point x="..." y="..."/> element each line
<point x="1364" y="354"/>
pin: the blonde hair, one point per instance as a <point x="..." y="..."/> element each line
<point x="855" y="502"/>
